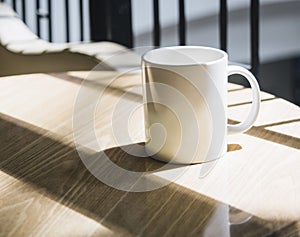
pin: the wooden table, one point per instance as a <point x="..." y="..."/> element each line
<point x="45" y="190"/>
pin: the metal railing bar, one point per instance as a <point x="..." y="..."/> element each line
<point x="182" y="23"/>
<point x="38" y="26"/>
<point x="223" y="24"/>
<point x="81" y="19"/>
<point x="254" y="28"/>
<point x="49" y="20"/>
<point x="156" y="26"/>
<point x="14" y="5"/>
<point x="39" y="15"/>
<point x="24" y="11"/>
<point x="67" y="20"/>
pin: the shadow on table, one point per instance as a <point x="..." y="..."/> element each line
<point x="45" y="162"/>
<point x="269" y="135"/>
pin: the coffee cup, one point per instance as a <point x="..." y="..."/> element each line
<point x="185" y="91"/>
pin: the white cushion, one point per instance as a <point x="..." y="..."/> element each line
<point x="115" y="55"/>
<point x="6" y="11"/>
<point x="13" y="30"/>
<point x="96" y="48"/>
<point x="36" y="46"/>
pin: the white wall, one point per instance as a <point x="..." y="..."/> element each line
<point x="195" y="9"/>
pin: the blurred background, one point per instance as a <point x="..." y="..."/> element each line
<point x="279" y="31"/>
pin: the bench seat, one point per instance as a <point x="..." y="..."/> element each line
<point x="21" y="51"/>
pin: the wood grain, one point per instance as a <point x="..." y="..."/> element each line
<point x="45" y="189"/>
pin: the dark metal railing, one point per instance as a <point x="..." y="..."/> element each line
<point x="14" y="5"/>
<point x="41" y="14"/>
<point x="49" y="6"/>
<point x="182" y="23"/>
<point x="223" y="22"/>
<point x="156" y="23"/>
<point x="112" y="20"/>
<point x="223" y="29"/>
<point x="44" y="15"/>
<point x="67" y="20"/>
<point x="81" y="20"/>
<point x="38" y="16"/>
<point x="254" y="15"/>
<point x="24" y="11"/>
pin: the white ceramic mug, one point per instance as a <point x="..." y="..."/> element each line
<point x="185" y="103"/>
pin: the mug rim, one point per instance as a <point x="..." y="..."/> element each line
<point x="224" y="55"/>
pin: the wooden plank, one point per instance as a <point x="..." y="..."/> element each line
<point x="284" y="111"/>
<point x="291" y="128"/>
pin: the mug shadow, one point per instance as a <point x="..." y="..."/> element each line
<point x="234" y="147"/>
<point x="46" y="163"/>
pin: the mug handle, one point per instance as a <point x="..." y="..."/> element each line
<point x="252" y="116"/>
